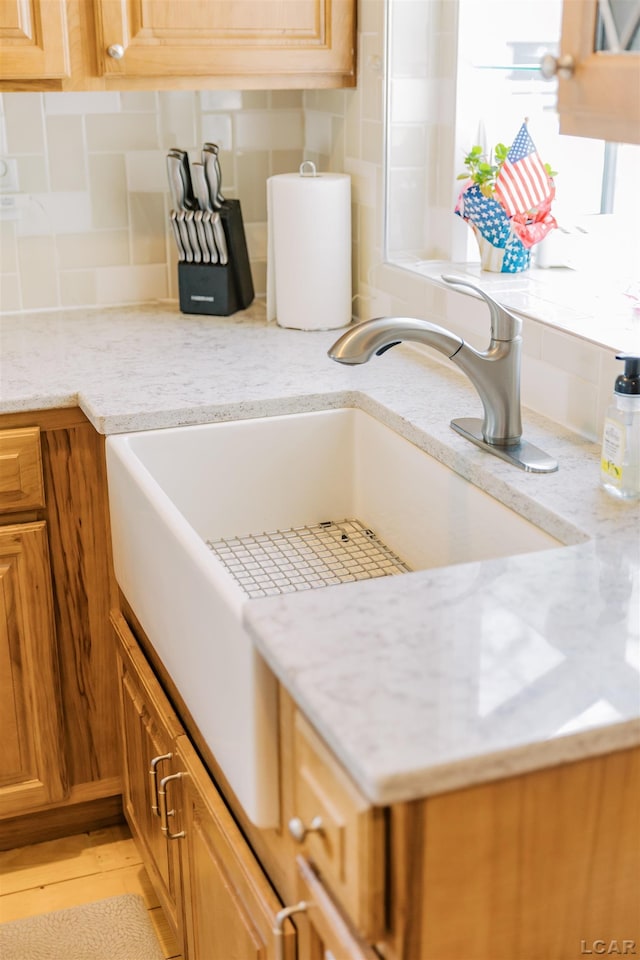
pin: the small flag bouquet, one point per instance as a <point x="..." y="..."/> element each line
<point x="507" y="202"/>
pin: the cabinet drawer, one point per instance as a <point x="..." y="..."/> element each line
<point x="21" y="482"/>
<point x="339" y="831"/>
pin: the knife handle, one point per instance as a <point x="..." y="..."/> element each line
<point x="184" y="235"/>
<point x="188" y="201"/>
<point x="215" y="150"/>
<point x="201" y="187"/>
<point x="220" y="238"/>
<point x="193" y="236"/>
<point x="208" y="230"/>
<point x="176" y="233"/>
<point x="212" y="167"/>
<point x="202" y="239"/>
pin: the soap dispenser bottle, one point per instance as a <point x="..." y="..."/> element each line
<point x="620" y="462"/>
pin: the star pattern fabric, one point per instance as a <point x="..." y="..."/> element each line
<point x="500" y="247"/>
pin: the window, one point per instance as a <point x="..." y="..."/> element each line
<point x="462" y="72"/>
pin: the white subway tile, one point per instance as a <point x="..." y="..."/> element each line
<point x="77" y="288"/>
<point x="38" y="273"/>
<point x="99" y="101"/>
<point x="24" y="122"/>
<point x="146" y="171"/>
<point x="261" y="130"/>
<point x="66" y="152"/>
<point x="121" y="132"/>
<point x="131" y="284"/>
<point x="318" y="132"/>
<point x="178" y="119"/>
<point x="9" y="293"/>
<point x="100" y="248"/>
<point x="217" y="128"/>
<point x="220" y="100"/>
<point x="108" y="183"/>
<point x="54" y="213"/>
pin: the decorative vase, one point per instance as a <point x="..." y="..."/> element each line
<point x="501" y="250"/>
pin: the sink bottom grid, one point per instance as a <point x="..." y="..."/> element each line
<point x="304" y="558"/>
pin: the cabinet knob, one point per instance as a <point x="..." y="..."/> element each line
<point x="115" y="51"/>
<point x="562" y="66"/>
<point x="299" y="831"/>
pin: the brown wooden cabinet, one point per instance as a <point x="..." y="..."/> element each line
<point x="217" y="896"/>
<point x="60" y="766"/>
<point x="33" y="39"/>
<point x="32" y="763"/>
<point x="149" y="729"/>
<point x="174" y="44"/>
<point x="601" y="97"/>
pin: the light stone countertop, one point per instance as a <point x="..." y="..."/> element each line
<point x="420" y="683"/>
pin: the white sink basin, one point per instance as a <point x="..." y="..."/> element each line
<point x="172" y="490"/>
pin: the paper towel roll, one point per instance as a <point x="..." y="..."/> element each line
<point x="309" y="250"/>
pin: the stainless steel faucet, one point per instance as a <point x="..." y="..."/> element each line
<point x="494" y="372"/>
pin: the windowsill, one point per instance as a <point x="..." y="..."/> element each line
<point x="585" y="304"/>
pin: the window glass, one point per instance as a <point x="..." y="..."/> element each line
<point x="463" y="72"/>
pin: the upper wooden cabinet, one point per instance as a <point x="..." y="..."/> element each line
<point x="225" y="38"/>
<point x="176" y="44"/>
<point x="599" y="89"/>
<point x="33" y="39"/>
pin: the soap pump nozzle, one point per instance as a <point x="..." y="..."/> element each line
<point x="620" y="460"/>
<point x="628" y="383"/>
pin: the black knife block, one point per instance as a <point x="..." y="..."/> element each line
<point x="212" y="288"/>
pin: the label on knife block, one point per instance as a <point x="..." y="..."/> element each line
<point x="214" y="289"/>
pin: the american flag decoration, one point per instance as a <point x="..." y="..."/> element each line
<point x="522" y="183"/>
<point x="516" y="215"/>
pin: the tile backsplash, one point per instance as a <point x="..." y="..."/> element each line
<point x="87" y="223"/>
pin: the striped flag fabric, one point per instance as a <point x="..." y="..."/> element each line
<point x="522" y="183"/>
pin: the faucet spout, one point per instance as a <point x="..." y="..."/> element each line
<point x="377" y="336"/>
<point x="494" y="372"/>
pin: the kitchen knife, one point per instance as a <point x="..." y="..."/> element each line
<point x="215" y="149"/>
<point x="208" y="231"/>
<point x="212" y="172"/>
<point x="202" y="237"/>
<point x="193" y="236"/>
<point x="188" y="202"/>
<point x="176" y="233"/>
<point x="176" y="182"/>
<point x="184" y="235"/>
<point x="219" y="237"/>
<point x="201" y="187"/>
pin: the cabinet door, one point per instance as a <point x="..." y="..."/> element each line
<point x="228" y="38"/>
<point x="231" y="910"/>
<point x="601" y="98"/>
<point x="332" y="935"/>
<point x="149" y="731"/>
<point x="32" y="770"/>
<point x="33" y="39"/>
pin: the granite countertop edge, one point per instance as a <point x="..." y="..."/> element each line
<point x="143" y="388"/>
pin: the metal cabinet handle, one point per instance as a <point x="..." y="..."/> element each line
<point x="562" y="67"/>
<point x="164" y="812"/>
<point x="278" y="930"/>
<point x="299" y="831"/>
<point x="153" y="776"/>
<point x="115" y="51"/>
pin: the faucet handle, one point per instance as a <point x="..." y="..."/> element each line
<point x="504" y="324"/>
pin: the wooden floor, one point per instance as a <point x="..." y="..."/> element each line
<point x="76" y="870"/>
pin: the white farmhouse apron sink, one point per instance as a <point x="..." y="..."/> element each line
<point x="172" y="490"/>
